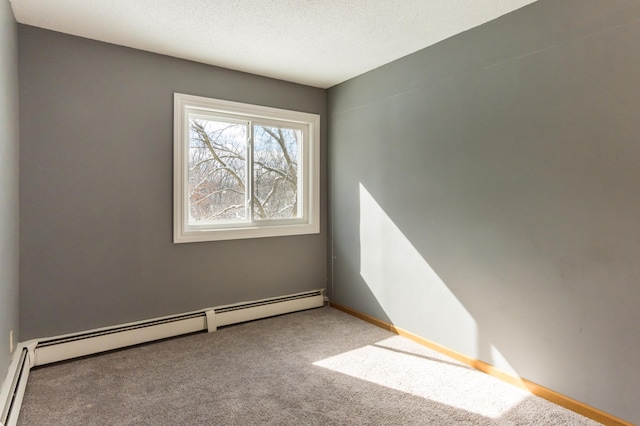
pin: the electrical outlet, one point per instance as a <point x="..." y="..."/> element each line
<point x="11" y="342"/>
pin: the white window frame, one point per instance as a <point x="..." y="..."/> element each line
<point x="309" y="220"/>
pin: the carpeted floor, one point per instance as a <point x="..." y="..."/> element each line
<point x="318" y="367"/>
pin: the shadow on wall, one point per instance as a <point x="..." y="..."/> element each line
<point x="399" y="276"/>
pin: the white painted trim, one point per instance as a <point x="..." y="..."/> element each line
<point x="309" y="123"/>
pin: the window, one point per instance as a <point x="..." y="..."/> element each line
<point x="243" y="171"/>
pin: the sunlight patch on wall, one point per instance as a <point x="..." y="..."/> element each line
<point x="405" y="285"/>
<point x="404" y="366"/>
<point x="498" y="360"/>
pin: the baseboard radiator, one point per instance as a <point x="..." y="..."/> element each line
<point x="14" y="386"/>
<point x="54" y="349"/>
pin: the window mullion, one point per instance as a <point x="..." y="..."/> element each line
<point x="249" y="173"/>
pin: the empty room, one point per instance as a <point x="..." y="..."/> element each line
<point x="320" y="212"/>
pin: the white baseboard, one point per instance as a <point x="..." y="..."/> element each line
<point x="59" y="348"/>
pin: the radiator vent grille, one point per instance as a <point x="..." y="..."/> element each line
<point x="57" y="341"/>
<point x="231" y="308"/>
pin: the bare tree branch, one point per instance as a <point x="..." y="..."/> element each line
<point x="205" y="138"/>
<point x="273" y="190"/>
<point x="223" y="211"/>
<point x="216" y="192"/>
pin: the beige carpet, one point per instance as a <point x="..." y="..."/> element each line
<point x="318" y="367"/>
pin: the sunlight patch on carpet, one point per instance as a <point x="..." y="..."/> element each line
<point x="393" y="363"/>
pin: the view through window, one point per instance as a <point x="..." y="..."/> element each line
<point x="246" y="170"/>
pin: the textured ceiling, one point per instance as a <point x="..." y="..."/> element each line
<point x="316" y="42"/>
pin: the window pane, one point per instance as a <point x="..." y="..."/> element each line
<point x="217" y="170"/>
<point x="275" y="172"/>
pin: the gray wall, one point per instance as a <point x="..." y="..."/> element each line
<point x="96" y="190"/>
<point x="8" y="182"/>
<point x="485" y="195"/>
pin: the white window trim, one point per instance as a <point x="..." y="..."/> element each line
<point x="309" y="223"/>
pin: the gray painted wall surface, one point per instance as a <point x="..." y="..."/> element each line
<point x="485" y="194"/>
<point x="96" y="190"/>
<point x="8" y="183"/>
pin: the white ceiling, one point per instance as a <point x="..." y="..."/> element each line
<point x="315" y="42"/>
